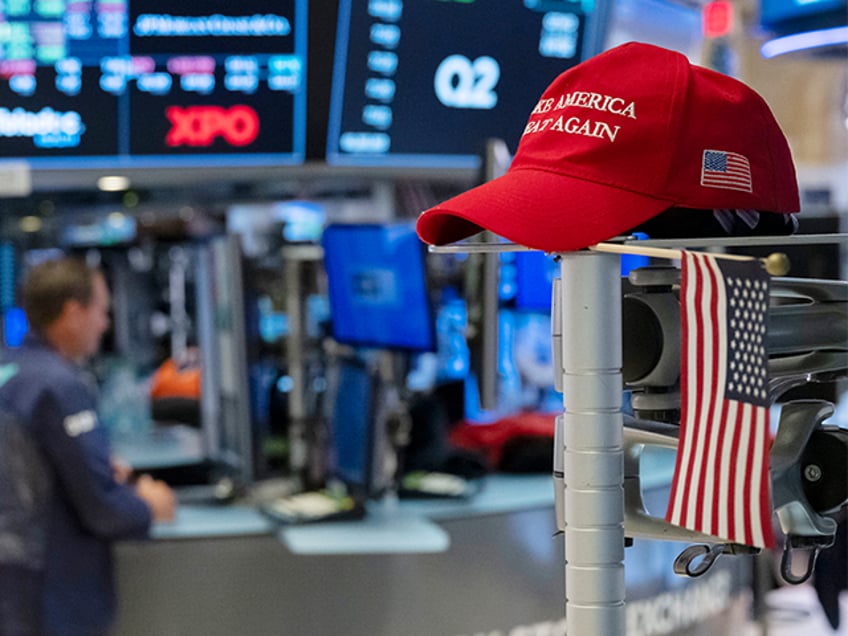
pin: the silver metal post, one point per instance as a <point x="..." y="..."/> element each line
<point x="295" y="261"/>
<point x="593" y="444"/>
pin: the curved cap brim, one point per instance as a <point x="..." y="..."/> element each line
<point x="541" y="210"/>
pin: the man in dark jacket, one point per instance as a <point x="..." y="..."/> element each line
<point x="62" y="499"/>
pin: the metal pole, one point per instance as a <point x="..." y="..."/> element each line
<point x="593" y="444"/>
<point x="296" y="258"/>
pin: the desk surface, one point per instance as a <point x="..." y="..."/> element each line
<point x="396" y="525"/>
<point x="390" y="525"/>
<point x="161" y="447"/>
<point x="200" y="520"/>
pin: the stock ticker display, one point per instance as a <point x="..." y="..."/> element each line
<point x="427" y="82"/>
<point x="152" y="83"/>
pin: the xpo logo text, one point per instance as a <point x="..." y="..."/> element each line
<point x="201" y="125"/>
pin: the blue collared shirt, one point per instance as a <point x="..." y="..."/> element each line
<point x="85" y="509"/>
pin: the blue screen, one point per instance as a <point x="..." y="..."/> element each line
<point x="534" y="275"/>
<point x="15" y="326"/>
<point x="377" y="287"/>
<point x="352" y="421"/>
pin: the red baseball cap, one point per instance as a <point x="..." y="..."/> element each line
<point x="618" y="139"/>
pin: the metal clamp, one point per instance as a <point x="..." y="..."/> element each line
<point x="697" y="559"/>
<point x="793" y="544"/>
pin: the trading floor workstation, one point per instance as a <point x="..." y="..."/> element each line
<point x="364" y="517"/>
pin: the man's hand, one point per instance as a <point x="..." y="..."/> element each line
<point x="158" y="495"/>
<point x="121" y="471"/>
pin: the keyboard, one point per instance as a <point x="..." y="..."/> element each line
<point x="426" y="484"/>
<point x="311" y="507"/>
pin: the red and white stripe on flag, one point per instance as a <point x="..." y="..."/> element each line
<point x="721" y="480"/>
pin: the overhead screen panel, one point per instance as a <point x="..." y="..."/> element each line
<point x="799" y="15"/>
<point x="426" y="83"/>
<point x="137" y="83"/>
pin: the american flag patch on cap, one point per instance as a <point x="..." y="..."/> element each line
<point x="728" y="170"/>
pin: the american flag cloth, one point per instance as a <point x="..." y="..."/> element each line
<point x="721" y="479"/>
<point x="727" y="170"/>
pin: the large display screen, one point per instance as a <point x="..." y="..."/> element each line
<point x="131" y="83"/>
<point x="427" y="83"/>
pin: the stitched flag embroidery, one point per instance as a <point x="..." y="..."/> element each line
<point x="727" y="170"/>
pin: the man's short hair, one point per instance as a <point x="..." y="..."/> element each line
<point x="49" y="285"/>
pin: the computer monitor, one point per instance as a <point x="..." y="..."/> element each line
<point x="15" y="326"/>
<point x="376" y="279"/>
<point x="352" y="425"/>
<point x="534" y="275"/>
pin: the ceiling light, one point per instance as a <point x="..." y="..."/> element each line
<point x="113" y="183"/>
<point x="30" y="224"/>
